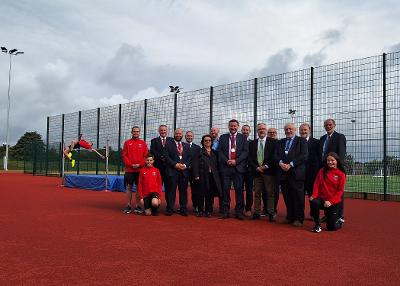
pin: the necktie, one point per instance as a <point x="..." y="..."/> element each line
<point x="180" y="150"/>
<point x="325" y="148"/>
<point x="287" y="147"/>
<point x="232" y="154"/>
<point x="163" y="141"/>
<point x="260" y="153"/>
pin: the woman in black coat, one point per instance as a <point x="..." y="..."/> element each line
<point x="205" y="171"/>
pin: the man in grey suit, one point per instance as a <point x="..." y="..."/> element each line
<point x="333" y="141"/>
<point x="232" y="156"/>
<point x="291" y="153"/>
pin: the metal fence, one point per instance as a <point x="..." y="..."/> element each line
<point x="361" y="95"/>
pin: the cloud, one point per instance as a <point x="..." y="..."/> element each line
<point x="280" y="62"/>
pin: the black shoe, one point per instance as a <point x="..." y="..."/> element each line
<point x="317" y="228"/>
<point x="154" y="213"/>
<point x="255" y="217"/>
<point x="184" y="213"/>
<point x="199" y="214"/>
<point x="264" y="213"/>
<point x="127" y="210"/>
<point x="168" y="213"/>
<point x="207" y="214"/>
<point x="239" y="216"/>
<point x="224" y="216"/>
<point x="272" y="217"/>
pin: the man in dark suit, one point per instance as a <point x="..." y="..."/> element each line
<point x="157" y="146"/>
<point x="313" y="163"/>
<point x="262" y="167"/>
<point x="248" y="177"/>
<point x="333" y="141"/>
<point x="194" y="152"/>
<point x="233" y="150"/>
<point x="291" y="153"/>
<point x="177" y="161"/>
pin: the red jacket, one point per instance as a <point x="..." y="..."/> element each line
<point x="330" y="188"/>
<point x="134" y="152"/>
<point x="149" y="182"/>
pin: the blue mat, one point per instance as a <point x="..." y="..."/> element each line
<point x="96" y="182"/>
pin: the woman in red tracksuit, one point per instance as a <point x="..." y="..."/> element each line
<point x="327" y="192"/>
<point x="150" y="187"/>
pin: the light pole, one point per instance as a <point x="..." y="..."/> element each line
<point x="292" y="113"/>
<point x="12" y="52"/>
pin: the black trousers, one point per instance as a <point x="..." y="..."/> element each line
<point x="293" y="195"/>
<point x="194" y="189"/>
<point x="248" y="187"/>
<point x="237" y="179"/>
<point x="205" y="198"/>
<point x="331" y="213"/>
<point x="341" y="207"/>
<point x="180" y="181"/>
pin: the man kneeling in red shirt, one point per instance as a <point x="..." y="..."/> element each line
<point x="150" y="187"/>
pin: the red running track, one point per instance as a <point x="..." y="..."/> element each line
<point x="52" y="235"/>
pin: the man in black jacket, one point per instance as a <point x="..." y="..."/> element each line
<point x="233" y="150"/>
<point x="291" y="155"/>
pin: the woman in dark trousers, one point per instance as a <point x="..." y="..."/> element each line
<point x="327" y="192"/>
<point x="205" y="171"/>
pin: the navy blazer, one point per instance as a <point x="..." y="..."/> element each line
<point x="157" y="149"/>
<point x="242" y="151"/>
<point x="298" y="154"/>
<point x="269" y="156"/>
<point x="172" y="158"/>
<point x="337" y="144"/>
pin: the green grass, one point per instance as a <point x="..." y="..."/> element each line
<point x="371" y="184"/>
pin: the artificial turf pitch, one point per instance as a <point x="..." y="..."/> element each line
<point x="51" y="235"/>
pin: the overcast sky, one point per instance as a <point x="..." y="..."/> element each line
<point x="86" y="54"/>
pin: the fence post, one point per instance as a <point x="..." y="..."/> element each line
<point x="97" y="139"/>
<point x="34" y="158"/>
<point x="79" y="133"/>
<point x="211" y="105"/>
<point x="385" y="165"/>
<point x="312" y="100"/>
<point x="47" y="145"/>
<point x="62" y="146"/>
<point x="119" y="139"/>
<point x="144" y="120"/>
<point x="255" y="109"/>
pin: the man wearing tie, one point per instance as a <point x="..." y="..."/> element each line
<point x="194" y="152"/>
<point x="177" y="161"/>
<point x="262" y="167"/>
<point x="232" y="155"/>
<point x="292" y="153"/>
<point x="157" y="146"/>
<point x="333" y="141"/>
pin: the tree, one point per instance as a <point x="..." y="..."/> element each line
<point x="27" y="145"/>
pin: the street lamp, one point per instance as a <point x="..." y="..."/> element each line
<point x="12" y="52"/>
<point x="292" y="113"/>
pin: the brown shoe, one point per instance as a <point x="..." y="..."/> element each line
<point x="297" y="223"/>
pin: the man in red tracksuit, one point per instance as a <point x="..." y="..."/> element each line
<point x="134" y="155"/>
<point x="150" y="187"/>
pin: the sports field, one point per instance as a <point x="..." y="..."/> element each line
<point x="56" y="236"/>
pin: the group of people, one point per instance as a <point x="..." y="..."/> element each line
<point x="260" y="169"/>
